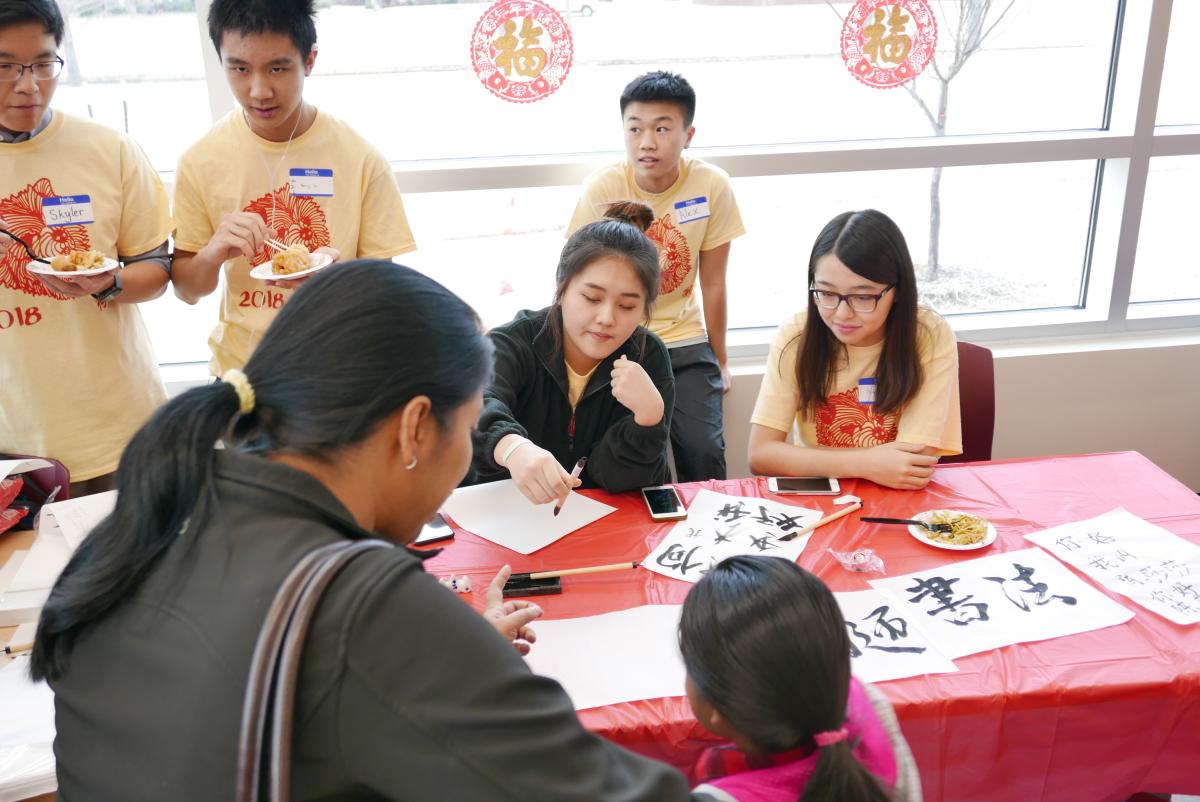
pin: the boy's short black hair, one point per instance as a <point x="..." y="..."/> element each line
<point x="293" y="18"/>
<point x="661" y="87"/>
<point x="45" y="12"/>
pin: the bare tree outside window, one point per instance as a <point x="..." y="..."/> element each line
<point x="968" y="25"/>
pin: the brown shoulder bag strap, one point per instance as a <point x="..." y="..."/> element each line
<point x="275" y="667"/>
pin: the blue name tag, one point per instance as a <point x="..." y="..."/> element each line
<point x="311" y="182"/>
<point x="866" y="391"/>
<point x="689" y="210"/>
<point x="68" y="210"/>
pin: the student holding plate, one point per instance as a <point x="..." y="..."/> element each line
<point x="78" y="372"/>
<point x="275" y="168"/>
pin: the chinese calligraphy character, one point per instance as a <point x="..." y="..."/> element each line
<point x="892" y="48"/>
<point x="787" y="522"/>
<point x="1036" y="589"/>
<point x="527" y="60"/>
<point x="867" y="641"/>
<point x="1068" y="543"/>
<point x="678" y="558"/>
<point x="730" y="513"/>
<point x="762" y="543"/>
<point x="942" y="591"/>
<point x="723" y="537"/>
<point x="1096" y="537"/>
<point x="693" y="532"/>
<point x="1103" y="563"/>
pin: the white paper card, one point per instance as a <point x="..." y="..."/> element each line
<point x="76" y="517"/>
<point x="995" y="601"/>
<point x="1157" y="569"/>
<point x="720" y="526"/>
<point x="616" y="657"/>
<point x="497" y="511"/>
<point x="885" y="643"/>
<point x="27" y="715"/>
<point x="11" y="466"/>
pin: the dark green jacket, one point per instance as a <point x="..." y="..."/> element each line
<point x="406" y="693"/>
<point x="528" y="396"/>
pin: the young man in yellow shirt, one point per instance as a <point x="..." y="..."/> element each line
<point x="696" y="218"/>
<point x="275" y="167"/>
<point x="78" y="374"/>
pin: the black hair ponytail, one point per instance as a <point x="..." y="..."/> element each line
<point x="765" y="643"/>
<point x="354" y="344"/>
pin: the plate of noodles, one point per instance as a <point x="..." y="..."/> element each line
<point x="970" y="531"/>
<point x="292" y="263"/>
<point x="75" y="263"/>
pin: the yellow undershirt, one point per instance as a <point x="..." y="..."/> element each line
<point x="576" y="383"/>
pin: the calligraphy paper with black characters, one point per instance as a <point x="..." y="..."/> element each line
<point x="995" y="601"/>
<point x="1157" y="569"/>
<point x="720" y="526"/>
<point x="886" y="643"/>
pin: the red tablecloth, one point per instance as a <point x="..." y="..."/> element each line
<point x="1089" y="717"/>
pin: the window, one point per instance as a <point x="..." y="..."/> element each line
<point x="1031" y="242"/>
<point x="1177" y="101"/>
<point x="764" y="74"/>
<point x="1168" y="266"/>
<point x="140" y="73"/>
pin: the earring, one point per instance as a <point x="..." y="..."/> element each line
<point x="411" y="464"/>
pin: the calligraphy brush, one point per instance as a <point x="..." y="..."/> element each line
<point x="828" y="518"/>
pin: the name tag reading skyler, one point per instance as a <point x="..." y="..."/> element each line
<point x="311" y="182"/>
<point x="866" y="391"/>
<point x="689" y="210"/>
<point x="68" y="210"/>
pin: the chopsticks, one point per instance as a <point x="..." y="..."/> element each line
<point x="849" y="508"/>
<point x="276" y="244"/>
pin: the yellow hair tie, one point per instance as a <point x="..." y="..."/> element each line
<point x="245" y="392"/>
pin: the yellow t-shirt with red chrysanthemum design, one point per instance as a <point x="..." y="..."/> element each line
<point x="77" y="377"/>
<point x="357" y="210"/>
<point x="931" y="418"/>
<point x="696" y="213"/>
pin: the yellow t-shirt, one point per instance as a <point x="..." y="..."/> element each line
<point x="697" y="213"/>
<point x="356" y="209"/>
<point x="577" y="383"/>
<point x="930" y="418"/>
<point x="77" y="377"/>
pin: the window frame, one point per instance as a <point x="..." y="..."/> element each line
<point x="1122" y="149"/>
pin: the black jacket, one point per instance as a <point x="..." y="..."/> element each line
<point x="528" y="396"/>
<point x="405" y="692"/>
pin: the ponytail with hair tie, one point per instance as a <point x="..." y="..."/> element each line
<point x="243" y="388"/>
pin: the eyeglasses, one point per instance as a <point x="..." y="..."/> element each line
<point x="42" y="70"/>
<point x="859" y="302"/>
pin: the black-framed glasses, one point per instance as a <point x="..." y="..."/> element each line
<point x="859" y="302"/>
<point x="42" y="70"/>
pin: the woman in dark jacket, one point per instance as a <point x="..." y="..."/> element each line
<point x="582" y="378"/>
<point x="332" y="433"/>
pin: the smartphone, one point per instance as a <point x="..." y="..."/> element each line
<point x="664" y="503"/>
<point x="805" y="485"/>
<point x="436" y="529"/>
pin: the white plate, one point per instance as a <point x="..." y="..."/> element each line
<point x="921" y="534"/>
<point x="46" y="270"/>
<point x="264" y="273"/>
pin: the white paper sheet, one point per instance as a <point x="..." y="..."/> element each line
<point x="720" y="526"/>
<point x="995" y="601"/>
<point x="77" y="517"/>
<point x="497" y="511"/>
<point x="11" y="466"/>
<point x="1155" y="568"/>
<point x="26" y="733"/>
<point x="884" y="643"/>
<point x="616" y="657"/>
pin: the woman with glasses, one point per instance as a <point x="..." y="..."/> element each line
<point x="870" y="378"/>
<point x="78" y="372"/>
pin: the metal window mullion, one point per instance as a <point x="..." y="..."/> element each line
<point x="1149" y="27"/>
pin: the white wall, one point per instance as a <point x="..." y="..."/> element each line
<point x="1073" y="398"/>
